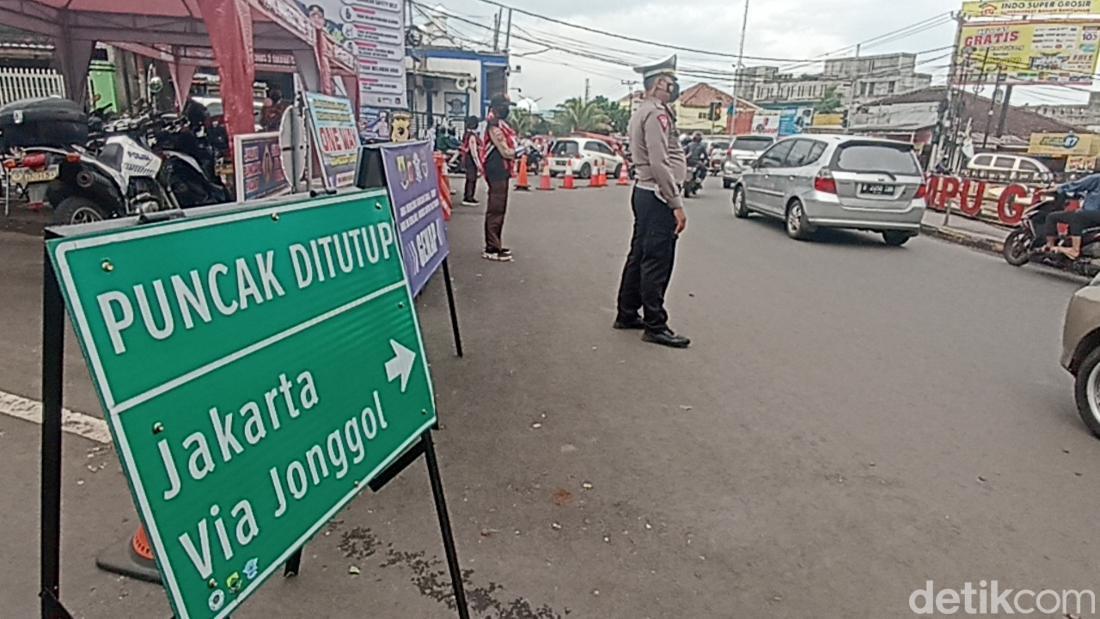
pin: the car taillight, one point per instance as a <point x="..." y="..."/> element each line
<point x="35" y="161"/>
<point x="824" y="182"/>
<point x="72" y="157"/>
<point x="10" y="164"/>
<point x="922" y="192"/>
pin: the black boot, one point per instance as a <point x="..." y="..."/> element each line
<point x="666" y="337"/>
<point x="630" y="323"/>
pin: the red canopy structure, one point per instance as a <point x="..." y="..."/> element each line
<point x="232" y="29"/>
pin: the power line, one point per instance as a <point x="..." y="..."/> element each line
<point x="624" y="37"/>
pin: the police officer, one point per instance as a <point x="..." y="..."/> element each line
<point x="660" y="171"/>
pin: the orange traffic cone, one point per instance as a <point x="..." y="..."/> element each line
<point x="603" y="175"/>
<point x="594" y="177"/>
<point x="133" y="558"/>
<point x="624" y="175"/>
<point x="544" y="180"/>
<point x="568" y="182"/>
<point x="522" y="184"/>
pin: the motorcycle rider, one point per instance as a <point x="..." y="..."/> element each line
<point x="696" y="153"/>
<point x="1088" y="216"/>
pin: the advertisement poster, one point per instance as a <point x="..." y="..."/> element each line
<point x="795" y="120"/>
<point x="1050" y="52"/>
<point x="1019" y="8"/>
<point x="373" y="32"/>
<point x="258" y="166"/>
<point x="414" y="193"/>
<point x="766" y="122"/>
<point x="337" y="138"/>
<point x="1064" y="144"/>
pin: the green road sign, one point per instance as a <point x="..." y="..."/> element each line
<point x="257" y="368"/>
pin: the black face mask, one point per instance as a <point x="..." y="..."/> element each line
<point x="673" y="91"/>
<point x="502" y="113"/>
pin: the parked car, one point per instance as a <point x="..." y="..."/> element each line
<point x="1081" y="352"/>
<point x="742" y="152"/>
<point x="585" y="154"/>
<point x="1006" y="169"/>
<point x="836" y="181"/>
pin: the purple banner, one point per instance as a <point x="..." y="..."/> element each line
<point x="418" y="211"/>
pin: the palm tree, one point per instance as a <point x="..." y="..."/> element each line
<point x="522" y="121"/>
<point x="577" y="115"/>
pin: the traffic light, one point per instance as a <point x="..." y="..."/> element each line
<point x="715" y="111"/>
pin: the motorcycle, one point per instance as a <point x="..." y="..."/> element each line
<point x="1027" y="242"/>
<point x="132" y="166"/>
<point x="695" y="182"/>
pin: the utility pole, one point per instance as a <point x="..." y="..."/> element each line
<point x="1005" y="102"/>
<point x="739" y="66"/>
<point x="630" y="84"/>
<point x="993" y="106"/>
<point x="508" y="33"/>
<point x="586" y="89"/>
<point x="496" y="31"/>
<point x="945" y="117"/>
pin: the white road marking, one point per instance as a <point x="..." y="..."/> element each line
<point x="91" y="428"/>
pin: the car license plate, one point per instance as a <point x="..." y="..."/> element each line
<point x="26" y="176"/>
<point x="876" y="190"/>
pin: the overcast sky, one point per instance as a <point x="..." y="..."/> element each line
<point x="784" y="29"/>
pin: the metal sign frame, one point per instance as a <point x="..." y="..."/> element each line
<point x="53" y="340"/>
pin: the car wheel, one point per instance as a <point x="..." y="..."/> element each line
<point x="79" y="210"/>
<point x="797" y="226"/>
<point x="1087" y="391"/>
<point x="586" y="171"/>
<point x="618" y="171"/>
<point x="726" y="183"/>
<point x="894" y="238"/>
<point x="740" y="209"/>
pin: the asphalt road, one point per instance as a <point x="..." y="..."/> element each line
<point x="851" y="421"/>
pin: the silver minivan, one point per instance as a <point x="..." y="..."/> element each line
<point x="836" y="181"/>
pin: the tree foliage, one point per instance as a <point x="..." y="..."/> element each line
<point x="577" y="115"/>
<point x="830" y="102"/>
<point x="619" y="116"/>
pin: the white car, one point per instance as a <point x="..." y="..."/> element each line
<point x="583" y="154"/>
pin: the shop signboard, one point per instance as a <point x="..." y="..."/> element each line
<point x="1035" y="52"/>
<point x="336" y="138"/>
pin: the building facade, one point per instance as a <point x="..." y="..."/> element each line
<point x="1085" y="115"/>
<point x="852" y="80"/>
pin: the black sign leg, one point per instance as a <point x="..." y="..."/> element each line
<point x="454" y="310"/>
<point x="445" y="526"/>
<point x="53" y="351"/>
<point x="293" y="564"/>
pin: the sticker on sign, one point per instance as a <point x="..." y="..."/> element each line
<point x="257" y="369"/>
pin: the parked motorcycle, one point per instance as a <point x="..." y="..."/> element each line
<point x="1027" y="242"/>
<point x="695" y="182"/>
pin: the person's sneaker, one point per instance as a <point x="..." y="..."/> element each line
<point x="666" y="338"/>
<point x="628" y="324"/>
<point x="470" y="203"/>
<point x="496" y="256"/>
<point x="504" y="251"/>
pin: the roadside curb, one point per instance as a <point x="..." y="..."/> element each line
<point x="961" y="237"/>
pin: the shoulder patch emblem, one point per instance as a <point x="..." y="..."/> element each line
<point x="663" y="119"/>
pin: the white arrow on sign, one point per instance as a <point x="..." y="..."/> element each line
<point x="401" y="364"/>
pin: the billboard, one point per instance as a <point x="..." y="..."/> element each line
<point x="1064" y="144"/>
<point x="1052" y="52"/>
<point x="766" y="122"/>
<point x="1019" y="8"/>
<point x="795" y="120"/>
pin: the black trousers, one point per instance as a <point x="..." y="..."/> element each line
<point x="649" y="266"/>
<point x="470" y="190"/>
<point x="1077" y="220"/>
